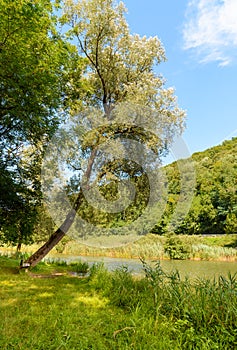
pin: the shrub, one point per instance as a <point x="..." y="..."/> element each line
<point x="175" y="248"/>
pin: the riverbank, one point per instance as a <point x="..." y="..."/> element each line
<point x="152" y="247"/>
<point x="112" y="310"/>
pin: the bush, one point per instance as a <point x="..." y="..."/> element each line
<point x="175" y="248"/>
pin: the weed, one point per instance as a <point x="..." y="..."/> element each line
<point x="81" y="267"/>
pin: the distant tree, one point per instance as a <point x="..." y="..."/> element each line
<point x="214" y="207"/>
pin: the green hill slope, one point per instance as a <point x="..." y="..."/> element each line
<point x="214" y="205"/>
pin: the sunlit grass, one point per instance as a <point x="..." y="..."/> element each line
<point x="112" y="310"/>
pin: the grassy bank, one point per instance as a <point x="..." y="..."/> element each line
<point x="153" y="247"/>
<point x="114" y="310"/>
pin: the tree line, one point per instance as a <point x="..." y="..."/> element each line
<point x="214" y="206"/>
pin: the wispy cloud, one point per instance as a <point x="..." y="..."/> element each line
<point x="210" y="30"/>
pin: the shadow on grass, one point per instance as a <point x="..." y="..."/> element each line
<point x="9" y="270"/>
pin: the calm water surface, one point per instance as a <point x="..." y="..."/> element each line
<point x="193" y="269"/>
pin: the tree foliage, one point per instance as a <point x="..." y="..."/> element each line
<point x="35" y="64"/>
<point x="214" y="207"/>
<point x="128" y="98"/>
<point x="31" y="57"/>
<point x="120" y="65"/>
<point x="123" y="89"/>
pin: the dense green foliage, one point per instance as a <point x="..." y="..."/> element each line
<point x="115" y="311"/>
<point x="30" y="94"/>
<point x="41" y="79"/>
<point x="214" y="206"/>
<point x="35" y="65"/>
<point x="128" y="106"/>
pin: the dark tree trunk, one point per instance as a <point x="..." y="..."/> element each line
<point x="18" y="248"/>
<point x="53" y="240"/>
<point x="56" y="237"/>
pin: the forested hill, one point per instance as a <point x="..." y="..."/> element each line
<point x="224" y="150"/>
<point x="214" y="206"/>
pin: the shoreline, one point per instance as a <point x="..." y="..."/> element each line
<point x="61" y="256"/>
<point x="150" y="247"/>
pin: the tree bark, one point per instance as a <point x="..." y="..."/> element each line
<point x="18" y="248"/>
<point x="56" y="237"/>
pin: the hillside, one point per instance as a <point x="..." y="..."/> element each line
<point x="214" y="205"/>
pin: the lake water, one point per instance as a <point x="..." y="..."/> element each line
<point x="190" y="268"/>
<point x="193" y="269"/>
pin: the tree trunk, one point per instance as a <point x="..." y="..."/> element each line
<point x="56" y="237"/>
<point x="51" y="243"/>
<point x="18" y="248"/>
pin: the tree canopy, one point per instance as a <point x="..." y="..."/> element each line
<point x="35" y="64"/>
<point x="214" y="206"/>
<point x="127" y="106"/>
<point x="120" y="65"/>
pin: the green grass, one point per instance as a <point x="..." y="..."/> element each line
<point x="114" y="311"/>
<point x="221" y="241"/>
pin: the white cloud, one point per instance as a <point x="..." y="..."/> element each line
<point x="210" y="30"/>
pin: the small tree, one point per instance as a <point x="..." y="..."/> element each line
<point x="123" y="88"/>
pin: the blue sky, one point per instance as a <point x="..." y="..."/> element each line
<point x="200" y="39"/>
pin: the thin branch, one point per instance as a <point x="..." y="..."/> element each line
<point x="96" y="63"/>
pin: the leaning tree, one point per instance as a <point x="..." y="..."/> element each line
<point x="125" y="98"/>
